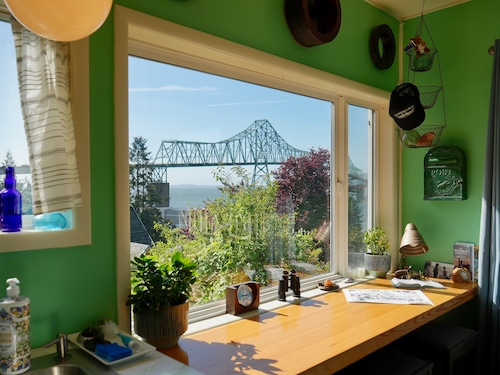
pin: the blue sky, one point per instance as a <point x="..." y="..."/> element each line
<point x="186" y="105"/>
<point x="12" y="135"/>
<point x="167" y="103"/>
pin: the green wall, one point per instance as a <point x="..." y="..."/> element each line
<point x="462" y="35"/>
<point x="261" y="24"/>
<point x="70" y="288"/>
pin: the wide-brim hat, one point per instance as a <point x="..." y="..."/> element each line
<point x="405" y="106"/>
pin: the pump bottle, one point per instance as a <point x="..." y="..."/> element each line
<point x="15" y="336"/>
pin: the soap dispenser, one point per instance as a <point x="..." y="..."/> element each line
<point x="15" y="337"/>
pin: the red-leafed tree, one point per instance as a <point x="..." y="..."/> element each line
<point x="304" y="187"/>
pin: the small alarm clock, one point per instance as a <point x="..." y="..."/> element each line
<point x="461" y="275"/>
<point x="242" y="297"/>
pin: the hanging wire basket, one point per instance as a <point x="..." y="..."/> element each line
<point x="422" y="52"/>
<point x="429" y="95"/>
<point x="421" y="62"/>
<point x="421" y="136"/>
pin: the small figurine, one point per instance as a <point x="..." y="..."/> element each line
<point x="418" y="45"/>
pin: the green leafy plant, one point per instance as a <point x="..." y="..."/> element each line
<point x="235" y="237"/>
<point x="160" y="284"/>
<point x="376" y="240"/>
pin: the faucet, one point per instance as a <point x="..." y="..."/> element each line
<point x="61" y="343"/>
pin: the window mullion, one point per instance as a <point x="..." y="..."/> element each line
<point x="340" y="184"/>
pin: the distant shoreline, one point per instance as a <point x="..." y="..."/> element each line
<point x="195" y="186"/>
<point x="185" y="196"/>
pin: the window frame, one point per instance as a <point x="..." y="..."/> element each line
<point x="80" y="234"/>
<point x="150" y="37"/>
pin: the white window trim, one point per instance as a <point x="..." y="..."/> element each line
<point x="144" y="35"/>
<point x="81" y="232"/>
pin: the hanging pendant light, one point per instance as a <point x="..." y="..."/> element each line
<point x="61" y="20"/>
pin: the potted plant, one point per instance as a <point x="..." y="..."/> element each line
<point x="377" y="259"/>
<point x="160" y="297"/>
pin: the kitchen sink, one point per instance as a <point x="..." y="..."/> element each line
<point x="78" y="363"/>
<point x="62" y="369"/>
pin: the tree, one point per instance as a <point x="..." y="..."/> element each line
<point x="355" y="228"/>
<point x="357" y="188"/>
<point x="304" y="186"/>
<point x="9" y="159"/>
<point x="141" y="174"/>
<point x="143" y="196"/>
<point x="237" y="236"/>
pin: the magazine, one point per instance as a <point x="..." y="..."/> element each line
<point x="414" y="283"/>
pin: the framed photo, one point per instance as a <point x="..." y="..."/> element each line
<point x="438" y="270"/>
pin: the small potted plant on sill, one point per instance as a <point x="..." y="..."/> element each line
<point x="160" y="297"/>
<point x="377" y="259"/>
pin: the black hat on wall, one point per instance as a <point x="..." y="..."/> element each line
<point x="405" y="106"/>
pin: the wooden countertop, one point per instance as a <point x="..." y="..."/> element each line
<point x="319" y="335"/>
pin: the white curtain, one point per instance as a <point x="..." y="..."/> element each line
<point x="44" y="88"/>
<point x="489" y="237"/>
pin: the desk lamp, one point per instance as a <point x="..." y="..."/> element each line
<point x="412" y="243"/>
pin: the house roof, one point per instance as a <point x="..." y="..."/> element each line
<point x="140" y="240"/>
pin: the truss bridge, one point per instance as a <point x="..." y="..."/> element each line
<point x="258" y="145"/>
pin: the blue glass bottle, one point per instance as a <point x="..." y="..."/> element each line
<point x="10" y="203"/>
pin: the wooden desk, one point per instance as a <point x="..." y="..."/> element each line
<point x="320" y="335"/>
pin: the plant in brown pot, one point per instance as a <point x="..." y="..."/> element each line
<point x="377" y="259"/>
<point x="160" y="298"/>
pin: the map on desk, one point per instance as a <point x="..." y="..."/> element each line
<point x="397" y="297"/>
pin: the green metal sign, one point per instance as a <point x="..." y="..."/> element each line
<point x="444" y="174"/>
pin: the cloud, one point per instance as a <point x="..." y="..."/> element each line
<point x="173" y="88"/>
<point x="244" y="103"/>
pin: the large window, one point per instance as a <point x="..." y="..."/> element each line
<point x="242" y="169"/>
<point x="356" y="129"/>
<point x="360" y="181"/>
<point x="13" y="146"/>
<point x="14" y="152"/>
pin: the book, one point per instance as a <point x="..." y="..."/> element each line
<point x="475" y="275"/>
<point x="463" y="256"/>
<point x="415" y="283"/>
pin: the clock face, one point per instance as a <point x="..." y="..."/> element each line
<point x="461" y="275"/>
<point x="241" y="298"/>
<point x="245" y="295"/>
<point x="464" y="275"/>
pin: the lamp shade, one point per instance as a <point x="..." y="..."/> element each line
<point x="412" y="242"/>
<point x="61" y="20"/>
